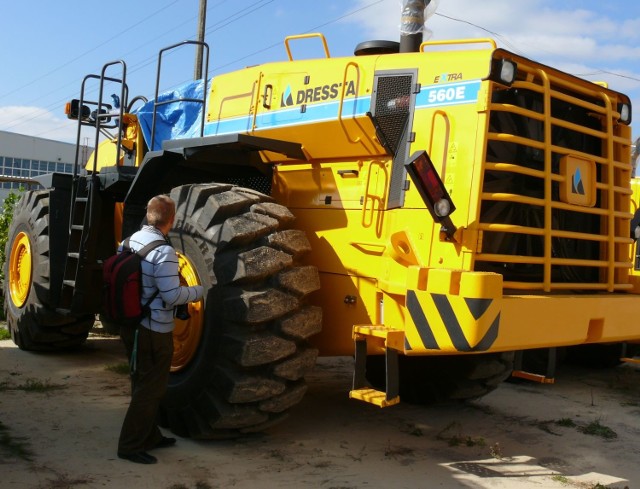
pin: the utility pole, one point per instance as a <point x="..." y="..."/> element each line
<point x="202" y="20"/>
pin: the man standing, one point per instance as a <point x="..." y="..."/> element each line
<point x="154" y="343"/>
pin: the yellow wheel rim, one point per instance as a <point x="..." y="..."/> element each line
<point x="187" y="334"/>
<point x="20" y="269"/>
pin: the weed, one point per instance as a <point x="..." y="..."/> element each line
<point x="31" y="385"/>
<point x="13" y="447"/>
<point x="561" y="479"/>
<point x="496" y="451"/>
<point x="468" y="441"/>
<point x="458" y="439"/>
<point x="566" y="422"/>
<point x="35" y="385"/>
<point x="397" y="451"/>
<point x="4" y="334"/>
<point x="119" y="368"/>
<point x="596" y="429"/>
<point x="64" y="482"/>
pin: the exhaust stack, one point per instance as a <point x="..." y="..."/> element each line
<point x="412" y="25"/>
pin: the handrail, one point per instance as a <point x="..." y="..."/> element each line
<point x="306" y="36"/>
<point x="482" y="40"/>
<point x="202" y="101"/>
<point x="123" y="104"/>
<point x="342" y="95"/>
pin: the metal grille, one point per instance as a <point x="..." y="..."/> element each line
<point x="392" y="108"/>
<point x="531" y="233"/>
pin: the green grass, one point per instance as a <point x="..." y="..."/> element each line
<point x="566" y="422"/>
<point x="4" y="333"/>
<point x="596" y="429"/>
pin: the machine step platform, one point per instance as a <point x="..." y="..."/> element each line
<point x="390" y="341"/>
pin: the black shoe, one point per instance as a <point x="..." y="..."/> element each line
<point x="165" y="442"/>
<point x="138" y="457"/>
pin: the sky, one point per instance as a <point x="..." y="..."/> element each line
<point x="47" y="48"/>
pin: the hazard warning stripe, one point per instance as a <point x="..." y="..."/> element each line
<point x="477" y="307"/>
<point x="420" y="320"/>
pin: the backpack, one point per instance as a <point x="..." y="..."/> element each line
<point x="122" y="289"/>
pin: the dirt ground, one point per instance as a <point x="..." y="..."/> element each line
<point x="60" y="416"/>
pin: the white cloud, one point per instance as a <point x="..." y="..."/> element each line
<point x="580" y="42"/>
<point x="39" y="122"/>
<point x="536" y="28"/>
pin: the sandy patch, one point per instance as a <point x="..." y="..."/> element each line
<point x="520" y="436"/>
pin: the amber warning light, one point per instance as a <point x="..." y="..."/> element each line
<point x="432" y="190"/>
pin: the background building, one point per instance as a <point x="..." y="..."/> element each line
<point x="24" y="157"/>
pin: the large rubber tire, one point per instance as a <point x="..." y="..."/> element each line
<point x="32" y="320"/>
<point x="249" y="366"/>
<point x="436" y="379"/>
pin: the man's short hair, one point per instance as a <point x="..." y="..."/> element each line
<point x="160" y="210"/>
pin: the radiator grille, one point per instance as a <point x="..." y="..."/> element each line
<point x="392" y="106"/>
<point x="551" y="142"/>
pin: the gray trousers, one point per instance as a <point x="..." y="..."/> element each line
<point x="148" y="385"/>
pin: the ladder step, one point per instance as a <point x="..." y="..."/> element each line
<point x="69" y="283"/>
<point x="372" y="396"/>
<point x="546" y="377"/>
<point x="390" y="342"/>
<point x="75" y="256"/>
<point x="634" y="360"/>
<point x="542" y="379"/>
<point x="77" y="227"/>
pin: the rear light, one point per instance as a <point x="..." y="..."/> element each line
<point x="432" y="190"/>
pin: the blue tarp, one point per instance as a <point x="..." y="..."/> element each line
<point x="175" y="120"/>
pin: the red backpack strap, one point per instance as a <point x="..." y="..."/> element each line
<point x="142" y="253"/>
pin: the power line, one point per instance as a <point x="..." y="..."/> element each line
<point x="64" y="65"/>
<point x="221" y="24"/>
<point x="606" y="72"/>
<point x="517" y="51"/>
<point x="312" y="29"/>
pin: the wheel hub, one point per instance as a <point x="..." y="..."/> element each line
<point x="187" y="333"/>
<point x="20" y="272"/>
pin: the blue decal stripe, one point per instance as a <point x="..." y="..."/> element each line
<point x="448" y="94"/>
<point x="353" y="107"/>
<point x="429" y="97"/>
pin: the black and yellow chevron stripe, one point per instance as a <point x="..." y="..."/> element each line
<point x="452" y="323"/>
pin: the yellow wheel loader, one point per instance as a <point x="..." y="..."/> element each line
<point x="436" y="210"/>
